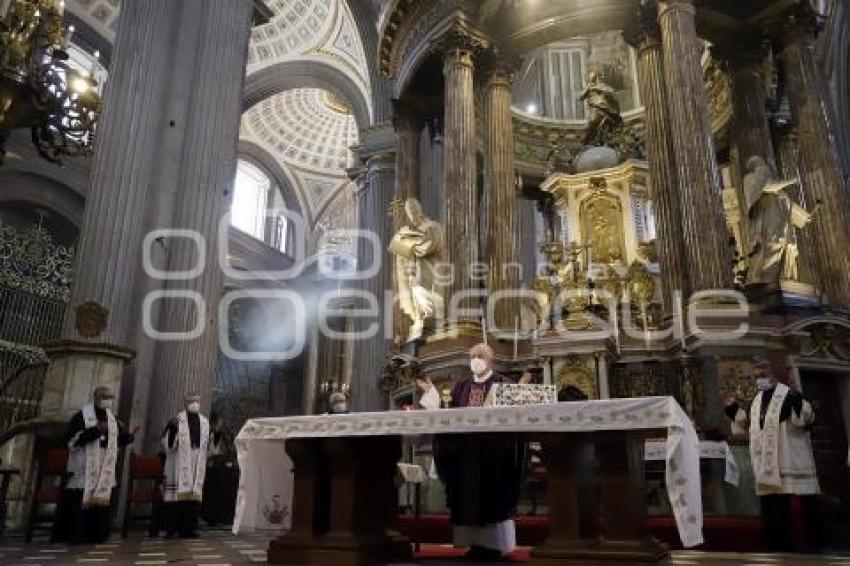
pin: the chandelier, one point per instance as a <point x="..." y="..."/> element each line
<point x="39" y="89"/>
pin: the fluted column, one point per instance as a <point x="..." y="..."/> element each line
<point x="113" y="227"/>
<point x="646" y="38"/>
<point x="374" y="198"/>
<point x="500" y="182"/>
<point x="461" y="203"/>
<point x="407" y="155"/>
<point x="820" y="170"/>
<point x="208" y="167"/>
<point x="703" y="227"/>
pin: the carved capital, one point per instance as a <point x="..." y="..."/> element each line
<point x="645" y="31"/>
<point x="460" y="44"/>
<point x="498" y="70"/>
<point x="798" y="24"/>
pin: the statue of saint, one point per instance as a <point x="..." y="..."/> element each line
<point x="416" y="246"/>
<point x="772" y="217"/>
<point x="604" y="108"/>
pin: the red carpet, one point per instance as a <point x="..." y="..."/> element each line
<point x="722" y="534"/>
<point x="438" y="551"/>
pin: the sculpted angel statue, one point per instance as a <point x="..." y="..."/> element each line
<point x="416" y="247"/>
<point x="772" y="217"/>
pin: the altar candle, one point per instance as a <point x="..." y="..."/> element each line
<point x="484" y="329"/>
<point x="589" y="262"/>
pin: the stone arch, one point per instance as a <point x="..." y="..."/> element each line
<point x="292" y="197"/>
<point x="288" y="75"/>
<point x="44" y="192"/>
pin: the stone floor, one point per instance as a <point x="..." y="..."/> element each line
<point x="220" y="547"/>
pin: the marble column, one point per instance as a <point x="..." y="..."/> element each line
<point x="459" y="174"/>
<point x="407" y="186"/>
<point x="374" y="198"/>
<point x="208" y="167"/>
<point x="704" y="232"/>
<point x="500" y="183"/>
<point x="646" y="38"/>
<point x="750" y="132"/>
<point x="103" y="310"/>
<point x="407" y="155"/>
<point x="820" y="169"/>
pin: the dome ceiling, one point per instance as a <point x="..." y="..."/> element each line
<point x="310" y="132"/>
<point x="318" y="30"/>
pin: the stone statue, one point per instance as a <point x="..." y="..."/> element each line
<point x="416" y="246"/>
<point x="604" y="115"/>
<point x="772" y="217"/>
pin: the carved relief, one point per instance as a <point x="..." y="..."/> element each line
<point x="576" y="373"/>
<point x="602" y="226"/>
<point x="90" y="319"/>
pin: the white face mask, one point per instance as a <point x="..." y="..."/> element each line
<point x="105" y="404"/>
<point x="193" y="407"/>
<point x="478" y="366"/>
<point x="764" y="383"/>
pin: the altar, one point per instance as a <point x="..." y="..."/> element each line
<point x="326" y="482"/>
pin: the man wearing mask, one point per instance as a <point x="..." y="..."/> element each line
<point x="781" y="455"/>
<point x="185" y="443"/>
<point x="481" y="473"/>
<point x="94" y="437"/>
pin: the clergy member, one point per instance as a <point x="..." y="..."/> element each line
<point x="781" y="454"/>
<point x="94" y="437"/>
<point x="185" y="442"/>
<point x="481" y="472"/>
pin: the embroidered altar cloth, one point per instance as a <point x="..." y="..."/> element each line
<point x="266" y="471"/>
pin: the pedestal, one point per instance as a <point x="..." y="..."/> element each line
<point x="76" y="369"/>
<point x="345" y="497"/>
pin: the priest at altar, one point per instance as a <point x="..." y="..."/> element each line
<point x="94" y="437"/>
<point x="185" y="442"/>
<point x="481" y="473"/>
<point x="781" y="454"/>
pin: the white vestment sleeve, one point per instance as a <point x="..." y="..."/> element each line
<point x="806" y="416"/>
<point x="430" y="399"/>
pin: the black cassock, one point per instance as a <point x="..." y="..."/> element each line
<point x="74" y="524"/>
<point x="181" y="517"/>
<point x="481" y="472"/>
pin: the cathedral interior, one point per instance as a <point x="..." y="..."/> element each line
<point x="257" y="201"/>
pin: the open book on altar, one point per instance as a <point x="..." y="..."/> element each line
<point x="510" y="394"/>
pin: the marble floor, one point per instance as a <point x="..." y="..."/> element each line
<point x="220" y="547"/>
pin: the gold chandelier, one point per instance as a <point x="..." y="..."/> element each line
<point x="38" y="88"/>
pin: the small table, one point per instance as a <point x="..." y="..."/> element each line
<point x="5" y="479"/>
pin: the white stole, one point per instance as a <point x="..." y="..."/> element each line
<point x="100" y="464"/>
<point x="764" y="442"/>
<point x="191" y="465"/>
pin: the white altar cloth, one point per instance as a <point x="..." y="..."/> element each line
<point x="708" y="450"/>
<point x="266" y="471"/>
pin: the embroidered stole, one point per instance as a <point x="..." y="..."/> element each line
<point x="190" y="478"/>
<point x="764" y="442"/>
<point x="100" y="464"/>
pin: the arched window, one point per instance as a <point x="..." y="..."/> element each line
<point x="250" y="200"/>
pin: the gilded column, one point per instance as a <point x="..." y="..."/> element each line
<point x="459" y="147"/>
<point x="208" y="168"/>
<point x="646" y="38"/>
<point x="500" y="181"/>
<point x="704" y="232"/>
<point x="374" y="198"/>
<point x="820" y="170"/>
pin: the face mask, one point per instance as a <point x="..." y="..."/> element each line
<point x="105" y="404"/>
<point x="478" y="366"/>
<point x="764" y="383"/>
<point x="193" y="407"/>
